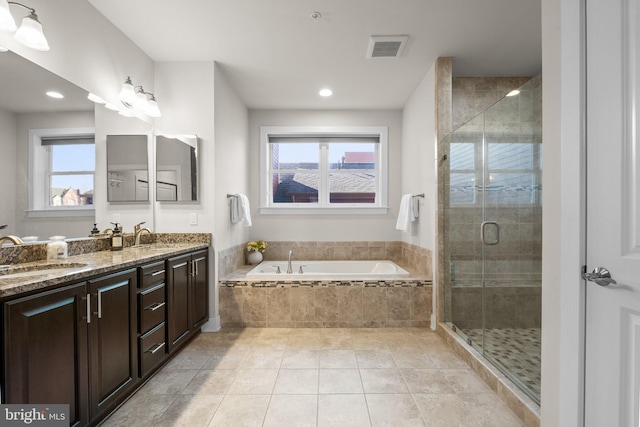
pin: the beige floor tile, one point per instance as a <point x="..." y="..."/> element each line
<point x="169" y="381"/>
<point x="393" y="410"/>
<point x="444" y="410"/>
<point x="273" y="342"/>
<point x="368" y="343"/>
<point x="291" y="410"/>
<point x="490" y="411"/>
<point x="253" y="381"/>
<point x="412" y="359"/>
<point x="190" y="359"/>
<point x="297" y="381"/>
<point x="375" y="359"/>
<point x="264" y="359"/>
<point x="338" y="359"/>
<point x="231" y="360"/>
<point x="304" y="342"/>
<point x="446" y="359"/>
<point x="141" y="410"/>
<point x="335" y="381"/>
<point x="336" y="342"/>
<point x="300" y="359"/>
<point x="342" y="410"/>
<point x="210" y="382"/>
<point x="190" y="411"/>
<point x="465" y="381"/>
<point x="241" y="411"/>
<point x="426" y="381"/>
<point x="383" y="381"/>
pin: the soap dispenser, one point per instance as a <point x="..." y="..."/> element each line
<point x="95" y="230"/>
<point x="116" y="238"/>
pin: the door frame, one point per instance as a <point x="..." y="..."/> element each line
<point x="564" y="211"/>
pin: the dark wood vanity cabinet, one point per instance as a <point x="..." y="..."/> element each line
<point x="73" y="345"/>
<point x="152" y="338"/>
<point x="187" y="296"/>
<point x="45" y="350"/>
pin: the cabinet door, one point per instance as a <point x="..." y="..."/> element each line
<point x="46" y="350"/>
<point x="112" y="340"/>
<point x="200" y="286"/>
<point x="178" y="296"/>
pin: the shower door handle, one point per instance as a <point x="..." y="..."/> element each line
<point x="483" y="233"/>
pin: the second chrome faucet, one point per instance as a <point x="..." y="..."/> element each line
<point x="138" y="230"/>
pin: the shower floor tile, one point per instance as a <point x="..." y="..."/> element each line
<point x="517" y="350"/>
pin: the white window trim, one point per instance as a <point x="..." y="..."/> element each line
<point x="380" y="208"/>
<point x="38" y="160"/>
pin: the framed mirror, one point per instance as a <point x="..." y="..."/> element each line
<point x="127" y="168"/>
<point x="176" y="168"/>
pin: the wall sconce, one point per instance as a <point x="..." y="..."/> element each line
<point x="30" y="32"/>
<point x="135" y="97"/>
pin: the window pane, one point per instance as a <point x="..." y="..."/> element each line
<point x="295" y="156"/>
<point x="512" y="188"/>
<point x="295" y="187"/>
<point x="462" y="156"/>
<point x="352" y="187"/>
<point x="510" y="155"/>
<point x="352" y="156"/>
<point x="69" y="158"/>
<point x="71" y="190"/>
<point x="462" y="188"/>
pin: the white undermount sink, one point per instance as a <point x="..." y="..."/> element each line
<point x="18" y="271"/>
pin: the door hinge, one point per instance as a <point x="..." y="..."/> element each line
<point x="583" y="271"/>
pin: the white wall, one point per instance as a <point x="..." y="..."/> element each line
<point x="419" y="160"/>
<point x="327" y="227"/>
<point x="8" y="144"/>
<point x="562" y="249"/>
<point x="47" y="226"/>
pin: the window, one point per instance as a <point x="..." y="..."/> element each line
<point x="62" y="167"/>
<point x="336" y="170"/>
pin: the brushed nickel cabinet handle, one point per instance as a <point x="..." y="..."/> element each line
<point x="155" y="348"/>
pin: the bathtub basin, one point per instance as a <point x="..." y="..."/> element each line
<point x="328" y="270"/>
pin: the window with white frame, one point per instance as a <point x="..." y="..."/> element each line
<point x="62" y="168"/>
<point x="338" y="170"/>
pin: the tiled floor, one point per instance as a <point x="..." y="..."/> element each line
<point x="517" y="350"/>
<point x="315" y="377"/>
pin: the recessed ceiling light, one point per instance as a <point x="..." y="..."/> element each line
<point x="513" y="92"/>
<point x="54" y="94"/>
<point x="95" y="98"/>
<point x="325" y="92"/>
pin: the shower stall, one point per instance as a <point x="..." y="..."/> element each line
<point x="491" y="197"/>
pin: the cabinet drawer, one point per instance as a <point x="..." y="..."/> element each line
<point x="151" y="274"/>
<point x="151" y="307"/>
<point x="152" y="349"/>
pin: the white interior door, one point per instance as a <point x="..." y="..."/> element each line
<point x="612" y="364"/>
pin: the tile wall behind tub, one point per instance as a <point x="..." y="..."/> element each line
<point x="414" y="257"/>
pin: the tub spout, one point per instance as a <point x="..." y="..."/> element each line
<point x="289" y="269"/>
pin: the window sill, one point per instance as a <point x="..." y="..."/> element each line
<point x="60" y="213"/>
<point x="324" y="211"/>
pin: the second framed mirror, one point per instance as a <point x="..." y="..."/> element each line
<point x="176" y="168"/>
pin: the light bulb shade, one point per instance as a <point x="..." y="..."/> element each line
<point x="7" y="23"/>
<point x="153" y="110"/>
<point x="141" y="102"/>
<point x="127" y="95"/>
<point x="30" y="33"/>
<point x="125" y="113"/>
<point x="3" y="48"/>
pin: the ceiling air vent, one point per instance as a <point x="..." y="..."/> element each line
<point x="386" y="46"/>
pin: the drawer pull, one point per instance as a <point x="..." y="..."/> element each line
<point x="155" y="273"/>
<point x="155" y="348"/>
<point x="155" y="306"/>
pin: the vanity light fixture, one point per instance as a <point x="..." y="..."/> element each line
<point x="135" y="98"/>
<point x="30" y="32"/>
<point x="3" y="49"/>
<point x="95" y="98"/>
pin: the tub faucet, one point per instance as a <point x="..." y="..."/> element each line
<point x="138" y="232"/>
<point x="289" y="269"/>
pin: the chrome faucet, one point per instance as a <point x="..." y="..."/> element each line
<point x="138" y="232"/>
<point x="13" y="239"/>
<point x="289" y="269"/>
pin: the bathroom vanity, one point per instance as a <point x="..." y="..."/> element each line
<point x="90" y="338"/>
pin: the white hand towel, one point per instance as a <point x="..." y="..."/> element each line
<point x="415" y="208"/>
<point x="404" y="213"/>
<point x="245" y="209"/>
<point x="234" y="210"/>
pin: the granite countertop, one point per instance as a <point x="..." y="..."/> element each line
<point x="87" y="265"/>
